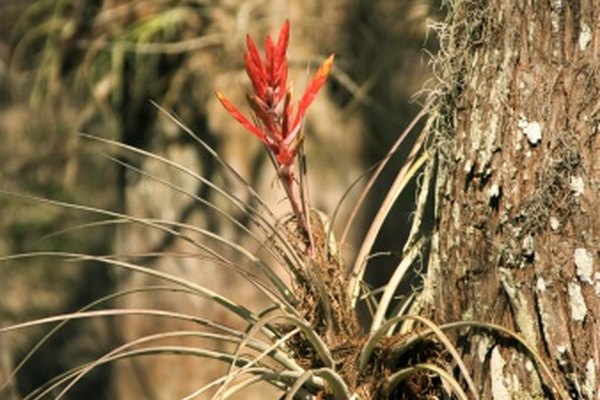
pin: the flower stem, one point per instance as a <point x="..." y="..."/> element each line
<point x="292" y="190"/>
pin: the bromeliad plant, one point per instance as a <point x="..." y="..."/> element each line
<point x="342" y="355"/>
<point x="278" y="124"/>
<point x="308" y="343"/>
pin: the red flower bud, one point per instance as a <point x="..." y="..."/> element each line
<point x="270" y="99"/>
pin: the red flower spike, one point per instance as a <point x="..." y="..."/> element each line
<point x="260" y="111"/>
<point x="313" y="88"/>
<point x="255" y="68"/>
<point x="283" y="76"/>
<point x="235" y="113"/>
<point x="271" y="100"/>
<point x="270" y="62"/>
<point x="275" y="123"/>
<point x="283" y="39"/>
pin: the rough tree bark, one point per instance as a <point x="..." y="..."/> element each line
<point x="517" y="233"/>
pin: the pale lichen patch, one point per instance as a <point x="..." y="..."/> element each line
<point x="576" y="185"/>
<point x="561" y="355"/>
<point x="528" y="246"/>
<point x="589" y="385"/>
<point x="494" y="191"/>
<point x="468" y="167"/>
<point x="540" y="285"/>
<point x="554" y="223"/>
<point x="597" y="284"/>
<point x="532" y="130"/>
<point x="585" y="265"/>
<point x="499" y="387"/>
<point x="482" y="348"/>
<point x="585" y="36"/>
<point x="576" y="302"/>
<point x="456" y="215"/>
<point x="557" y="6"/>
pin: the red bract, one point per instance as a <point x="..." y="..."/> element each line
<point x="271" y="101"/>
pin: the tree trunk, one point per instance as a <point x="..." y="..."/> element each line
<point x="518" y="189"/>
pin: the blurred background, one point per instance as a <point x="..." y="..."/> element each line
<point x="93" y="66"/>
